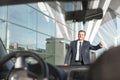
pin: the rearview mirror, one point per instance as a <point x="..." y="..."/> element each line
<point x="84" y="15"/>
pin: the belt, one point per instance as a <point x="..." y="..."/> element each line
<point x="79" y="62"/>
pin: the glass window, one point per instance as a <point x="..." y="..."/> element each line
<point x="41" y="41"/>
<point x="23" y="15"/>
<point x="44" y="7"/>
<point x="46" y="25"/>
<point x="21" y="38"/>
<point x="3" y="12"/>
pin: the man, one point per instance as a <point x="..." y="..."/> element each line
<point x="78" y="52"/>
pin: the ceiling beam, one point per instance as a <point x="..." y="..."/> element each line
<point x="90" y="23"/>
<point x="98" y="22"/>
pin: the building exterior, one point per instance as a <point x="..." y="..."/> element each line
<point x="56" y="49"/>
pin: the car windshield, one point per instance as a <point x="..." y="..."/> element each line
<point x="47" y="29"/>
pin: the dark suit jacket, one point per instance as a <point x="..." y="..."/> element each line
<point x="86" y="46"/>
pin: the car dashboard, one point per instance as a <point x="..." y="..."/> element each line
<point x="75" y="72"/>
<point x="52" y="72"/>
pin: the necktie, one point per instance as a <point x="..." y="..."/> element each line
<point x="80" y="46"/>
<point x="80" y="56"/>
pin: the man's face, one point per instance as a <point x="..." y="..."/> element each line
<point x="81" y="35"/>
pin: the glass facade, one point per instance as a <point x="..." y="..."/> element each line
<point x="37" y="27"/>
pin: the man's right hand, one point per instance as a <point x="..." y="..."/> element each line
<point x="65" y="64"/>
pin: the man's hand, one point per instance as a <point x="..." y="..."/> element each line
<point x="101" y="43"/>
<point x="65" y="64"/>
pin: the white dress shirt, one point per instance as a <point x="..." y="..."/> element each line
<point x="78" y="47"/>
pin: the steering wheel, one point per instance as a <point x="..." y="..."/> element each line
<point x="22" y="73"/>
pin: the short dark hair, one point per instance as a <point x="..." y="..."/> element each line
<point x="82" y="31"/>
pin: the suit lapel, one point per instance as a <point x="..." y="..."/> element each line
<point x="76" y="46"/>
<point x="83" y="44"/>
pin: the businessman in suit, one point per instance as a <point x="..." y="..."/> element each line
<point x="78" y="52"/>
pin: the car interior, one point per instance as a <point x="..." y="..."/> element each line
<point x="16" y="65"/>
